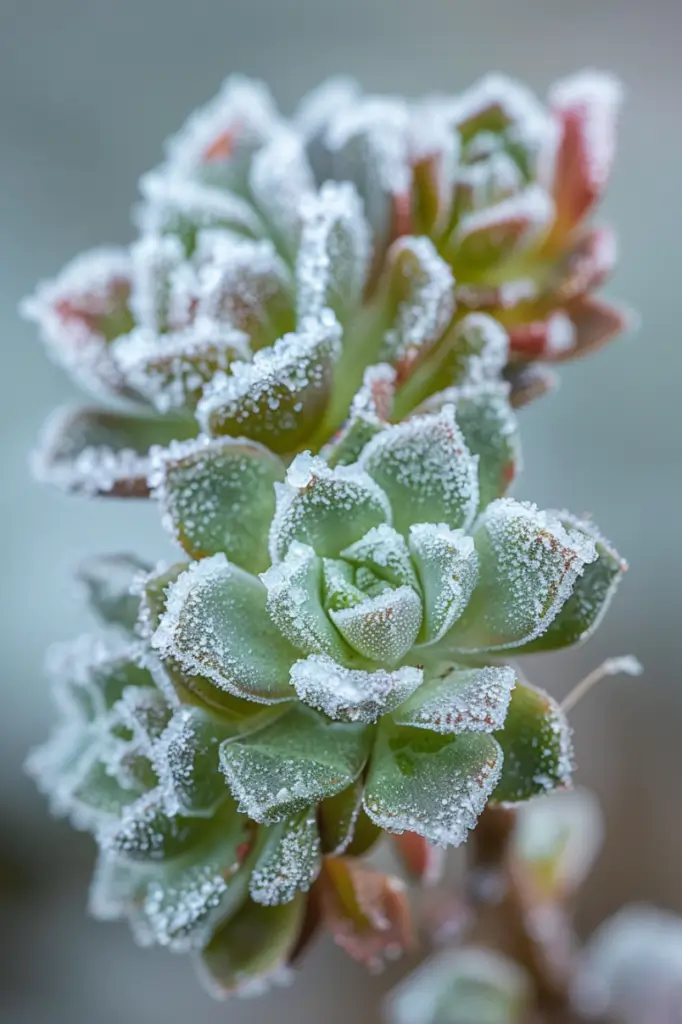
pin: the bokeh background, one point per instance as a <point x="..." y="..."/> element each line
<point x="88" y="91"/>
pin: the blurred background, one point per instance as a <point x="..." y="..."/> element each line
<point x="88" y="91"/>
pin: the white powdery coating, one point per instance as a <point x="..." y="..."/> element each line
<point x="96" y="469"/>
<point x="309" y="477"/>
<point x="280" y="181"/>
<point x="536" y="562"/>
<point x="243" y="108"/>
<point x="521" y="107"/>
<point x="169" y="368"/>
<point x="175" y="914"/>
<point x="447" y="565"/>
<point x="382" y="628"/>
<point x="154" y="258"/>
<point x="237" y="275"/>
<point x="428" y="459"/>
<point x="383" y="124"/>
<point x="295" y="363"/>
<point x="561" y="334"/>
<point x="423" y="316"/>
<point x="87" y="280"/>
<point x="335" y="249"/>
<point x="528" y="214"/>
<point x="486" y="364"/>
<point x="167" y="197"/>
<point x="596" y="97"/>
<point x="290" y="865"/>
<point x="352" y="695"/>
<point x="374" y="398"/>
<point x="385" y="552"/>
<point x="464" y="700"/>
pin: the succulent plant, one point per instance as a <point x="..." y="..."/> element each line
<point x="320" y="337"/>
<point x="278" y="259"/>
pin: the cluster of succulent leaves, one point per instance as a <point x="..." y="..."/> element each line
<point x="316" y="346"/>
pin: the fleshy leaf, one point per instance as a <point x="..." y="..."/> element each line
<point x="176" y="206"/>
<point x="586" y="108"/>
<point x="324" y="508"/>
<point x="486" y="238"/>
<point x="447" y="565"/>
<point x="385" y="552"/>
<point x="97" y="452"/>
<point x="426" y="470"/>
<point x="338" y="816"/>
<point x="352" y="695"/>
<point x="592" y="594"/>
<point x="294" y="589"/>
<point x="252" y="947"/>
<point x="216" y="625"/>
<point x="420" y="302"/>
<point x="491" y="432"/>
<point x="146" y="832"/>
<point x="366" y="911"/>
<point x="536" y="740"/>
<point x="107" y="580"/>
<point x="434" y="785"/>
<point x="80" y="313"/>
<point x="186" y="760"/>
<point x="289" y="861"/>
<point x="218" y="496"/>
<point x="333" y="257"/>
<point x="292" y="763"/>
<point x="460" y="700"/>
<point x="529" y="565"/>
<point x="280" y="180"/>
<point x="469" y="985"/>
<point x="369" y="413"/>
<point x="280" y="397"/>
<point x="382" y="628"/>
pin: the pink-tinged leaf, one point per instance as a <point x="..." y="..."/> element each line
<point x="81" y="311"/>
<point x="434" y="147"/>
<point x="366" y="911"/>
<point x="423" y="862"/>
<point x="97" y="452"/>
<point x="586" y="109"/>
<point x="596" y="323"/>
<point x="551" y="338"/>
<point x="587" y="266"/>
<point x="528" y="382"/>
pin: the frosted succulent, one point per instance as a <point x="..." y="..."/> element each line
<point x="278" y="259"/>
<point x="315" y="347"/>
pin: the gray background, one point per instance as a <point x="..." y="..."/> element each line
<point x="88" y="91"/>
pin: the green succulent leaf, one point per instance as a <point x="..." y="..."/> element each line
<point x="352" y="695"/>
<point x="338" y="817"/>
<point x="294" y="602"/>
<point x="187" y="760"/>
<point x="385" y="552"/>
<point x="426" y="470"/>
<point x="216" y="625"/>
<point x="289" y="862"/>
<point x="489" y="237"/>
<point x="447" y="565"/>
<point x="490" y="429"/>
<point x="147" y="832"/>
<point x="293" y="762"/>
<point x="108" y="580"/>
<point x="252" y="946"/>
<point x="536" y="740"/>
<point x="460" y="700"/>
<point x="280" y="397"/>
<point x="218" y="496"/>
<point x="369" y="414"/>
<point x="592" y="594"/>
<point x="433" y="784"/>
<point x="382" y="628"/>
<point x="333" y="255"/>
<point x="328" y="509"/>
<point x="96" y="452"/>
<point x="528" y="567"/>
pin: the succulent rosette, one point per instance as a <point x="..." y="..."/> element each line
<point x="278" y="259"/>
<point x="327" y="667"/>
